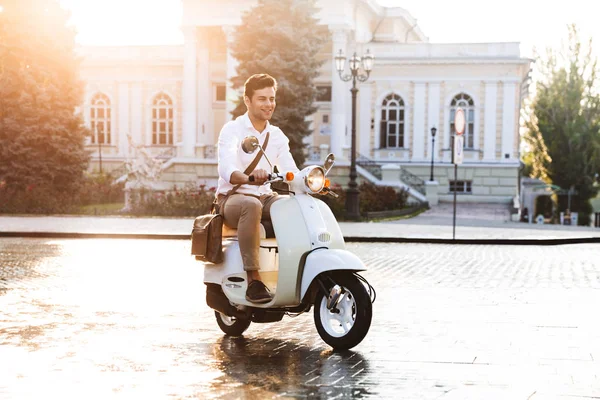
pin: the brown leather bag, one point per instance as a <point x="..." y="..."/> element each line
<point x="207" y="234"/>
<point x="207" y="237"/>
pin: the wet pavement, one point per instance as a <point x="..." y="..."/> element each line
<point x="100" y="319"/>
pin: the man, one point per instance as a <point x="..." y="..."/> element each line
<point x="243" y="209"/>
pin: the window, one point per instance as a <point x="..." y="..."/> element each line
<point x="325" y="128"/>
<point x="460" y="186"/>
<point x="324" y="93"/>
<point x="162" y="120"/>
<point x="392" y="122"/>
<point x="465" y="102"/>
<point x="220" y="92"/>
<point x="100" y="119"/>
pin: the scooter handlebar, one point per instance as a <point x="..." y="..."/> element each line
<point x="270" y="178"/>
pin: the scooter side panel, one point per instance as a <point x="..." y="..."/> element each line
<point x="332" y="226"/>
<point x="328" y="260"/>
<point x="293" y="240"/>
<point x="233" y="265"/>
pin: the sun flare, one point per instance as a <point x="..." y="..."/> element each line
<point x="128" y="22"/>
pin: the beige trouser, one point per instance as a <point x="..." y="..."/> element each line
<point x="244" y="213"/>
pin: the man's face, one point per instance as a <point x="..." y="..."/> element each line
<point x="262" y="104"/>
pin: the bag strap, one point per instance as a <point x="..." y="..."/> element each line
<point x="247" y="171"/>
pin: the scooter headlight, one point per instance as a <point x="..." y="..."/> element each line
<point x="315" y="179"/>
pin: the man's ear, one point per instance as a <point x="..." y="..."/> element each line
<point x="246" y="101"/>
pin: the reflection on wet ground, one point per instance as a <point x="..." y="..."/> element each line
<point x="127" y="319"/>
<point x="289" y="369"/>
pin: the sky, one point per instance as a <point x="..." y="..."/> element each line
<point x="531" y="22"/>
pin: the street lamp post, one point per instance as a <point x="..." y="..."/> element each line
<point x="352" y="204"/>
<point x="99" y="148"/>
<point x="433" y="131"/>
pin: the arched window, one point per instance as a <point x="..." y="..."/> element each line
<point x="392" y="122"/>
<point x="465" y="102"/>
<point x="162" y="120"/>
<point x="100" y="119"/>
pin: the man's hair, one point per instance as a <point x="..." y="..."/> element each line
<point x="257" y="82"/>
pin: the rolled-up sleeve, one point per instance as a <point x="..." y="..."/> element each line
<point x="227" y="152"/>
<point x="284" y="157"/>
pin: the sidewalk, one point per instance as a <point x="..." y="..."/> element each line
<point x="425" y="227"/>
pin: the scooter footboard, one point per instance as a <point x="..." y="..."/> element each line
<point x="322" y="260"/>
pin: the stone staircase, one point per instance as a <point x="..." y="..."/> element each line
<point x="389" y="173"/>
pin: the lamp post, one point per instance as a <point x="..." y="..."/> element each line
<point x="99" y="148"/>
<point x="433" y="132"/>
<point x="352" y="204"/>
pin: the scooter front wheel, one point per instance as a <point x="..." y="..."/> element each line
<point x="348" y="324"/>
<point x="231" y="326"/>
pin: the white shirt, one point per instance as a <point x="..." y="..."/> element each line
<point x="232" y="158"/>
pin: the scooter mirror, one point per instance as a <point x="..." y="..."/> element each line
<point x="249" y="144"/>
<point x="329" y="161"/>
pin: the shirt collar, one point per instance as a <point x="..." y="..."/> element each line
<point x="249" y="125"/>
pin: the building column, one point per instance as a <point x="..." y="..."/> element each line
<point x="418" y="146"/>
<point x="364" y="125"/>
<point x="189" y="92"/>
<point x="123" y="122"/>
<point x="137" y="114"/>
<point x="205" y="95"/>
<point x="489" y="125"/>
<point x="433" y="119"/>
<point x="508" y="121"/>
<point x="231" y="95"/>
<point x="339" y="94"/>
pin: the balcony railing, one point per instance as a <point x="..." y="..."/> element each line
<point x="313" y="153"/>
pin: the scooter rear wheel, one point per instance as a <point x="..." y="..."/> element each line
<point x="348" y="326"/>
<point x="231" y="326"/>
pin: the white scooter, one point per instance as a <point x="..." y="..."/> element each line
<point x="303" y="262"/>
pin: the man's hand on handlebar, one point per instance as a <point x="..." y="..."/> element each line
<point x="258" y="177"/>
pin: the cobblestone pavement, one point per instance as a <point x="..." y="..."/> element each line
<point x="127" y="319"/>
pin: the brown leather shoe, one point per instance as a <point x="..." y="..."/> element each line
<point x="257" y="292"/>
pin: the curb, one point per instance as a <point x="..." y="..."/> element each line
<point x="505" y="242"/>
<point x="355" y="239"/>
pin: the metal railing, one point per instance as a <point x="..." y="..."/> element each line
<point x="374" y="167"/>
<point x="412" y="180"/>
<point x="210" y="151"/>
<point x="167" y="153"/>
<point x="370" y="165"/>
<point x="313" y="153"/>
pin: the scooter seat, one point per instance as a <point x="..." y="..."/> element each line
<point x="266" y="231"/>
<point x="232" y="233"/>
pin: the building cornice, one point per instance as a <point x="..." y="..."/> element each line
<point x="440" y="79"/>
<point x="448" y="61"/>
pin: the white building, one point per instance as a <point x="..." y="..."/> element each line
<point x="175" y="99"/>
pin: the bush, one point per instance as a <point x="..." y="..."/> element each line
<point x="371" y="198"/>
<point x="35" y="199"/>
<point x="101" y="189"/>
<point x="47" y="199"/>
<point x="189" y="201"/>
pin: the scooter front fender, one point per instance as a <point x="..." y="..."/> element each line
<point x="322" y="260"/>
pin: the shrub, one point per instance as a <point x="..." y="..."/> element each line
<point x="101" y="189"/>
<point x="189" y="201"/>
<point x="36" y="199"/>
<point x="371" y="198"/>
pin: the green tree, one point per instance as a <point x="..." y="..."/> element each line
<point x="563" y="131"/>
<point x="41" y="137"/>
<point x="282" y="38"/>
